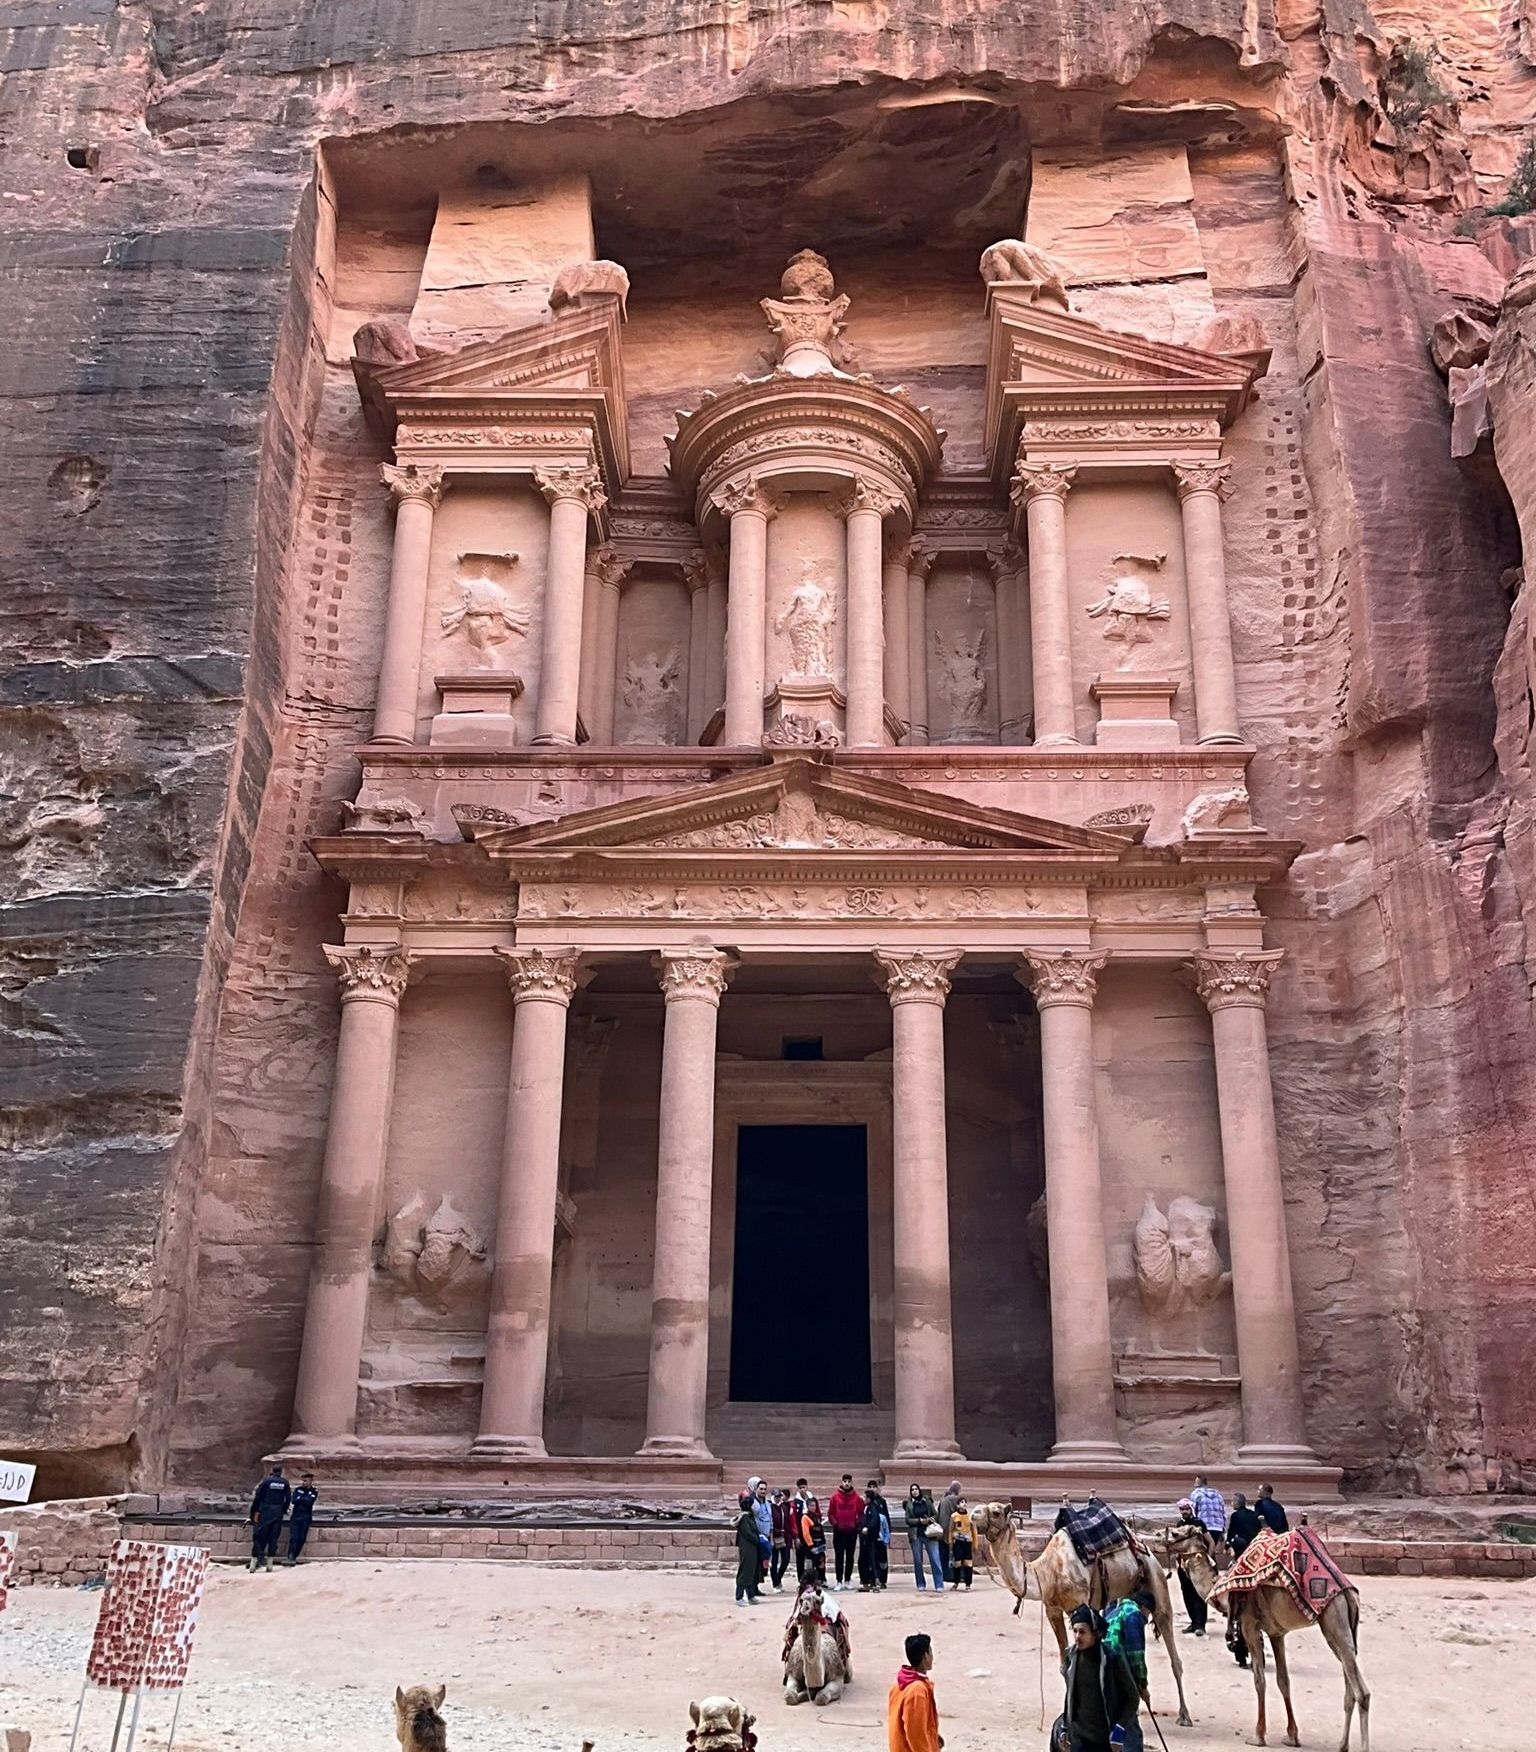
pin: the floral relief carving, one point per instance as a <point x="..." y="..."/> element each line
<point x="800" y="730"/>
<point x="1203" y="477"/>
<point x="695" y="973"/>
<point x="580" y="484"/>
<point x="807" y="317"/>
<point x="739" y="901"/>
<point x="745" y="495"/>
<point x="1063" y="976"/>
<point x="1132" y="815"/>
<point x="542" y="973"/>
<point x="409" y="480"/>
<point x="1088" y="432"/>
<point x="1239" y="978"/>
<point x="366" y="971"/>
<point x="477" y="437"/>
<point x="1043" y="480"/>
<point x="917" y="976"/>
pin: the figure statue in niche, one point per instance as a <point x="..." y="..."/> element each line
<point x="435" y="1255"/>
<point x="1177" y="1266"/>
<point x="484" y="613"/>
<point x="650" y="692"/>
<point x="963" y="676"/>
<point x="1128" y="605"/>
<point x="808" y="618"/>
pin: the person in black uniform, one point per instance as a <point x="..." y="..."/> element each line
<point x="267" y="1508"/>
<point x="303" y="1513"/>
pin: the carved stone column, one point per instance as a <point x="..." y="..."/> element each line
<point x="1202" y="487"/>
<point x="591" y="595"/>
<point x="696" y="577"/>
<point x="1234" y="984"/>
<point x="714" y="655"/>
<point x="917" y="984"/>
<point x="362" y="1088"/>
<point x="1043" y="490"/>
<point x="692" y="982"/>
<point x="573" y="494"/>
<point x="416" y="492"/>
<point x="898" y="678"/>
<point x="611" y="573"/>
<point x="1082" y="1364"/>
<point x="919" y="564"/>
<point x="543" y="983"/>
<point x="1012" y="647"/>
<point x="865" y="509"/>
<point x="749" y="506"/>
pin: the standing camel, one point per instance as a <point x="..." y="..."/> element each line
<point x="1059" y="1579"/>
<point x="1272" y="1611"/>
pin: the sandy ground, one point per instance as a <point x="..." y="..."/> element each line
<point x="544" y="1658"/>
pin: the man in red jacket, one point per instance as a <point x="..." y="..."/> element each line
<point x="845" y="1511"/>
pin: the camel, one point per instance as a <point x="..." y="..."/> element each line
<point x="418" y="1726"/>
<point x="817" y="1662"/>
<point x="1059" y="1579"/>
<point x="1273" y="1612"/>
<point x="720" y="1724"/>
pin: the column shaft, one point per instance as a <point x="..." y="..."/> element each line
<point x="416" y="492"/>
<point x="1044" y="491"/>
<point x="1012" y="646"/>
<point x="1274" y="1426"/>
<point x="572" y="494"/>
<point x="749" y="509"/>
<point x="591" y="592"/>
<point x="714" y="655"/>
<point x="924" y="1337"/>
<point x="692" y="981"/>
<point x="1205" y="583"/>
<point x="606" y="649"/>
<point x="357" y="1137"/>
<point x="698" y="649"/>
<point x="1082" y="1362"/>
<point x="898" y="661"/>
<point x="866" y="655"/>
<point x="919" y="563"/>
<point x="517" y="1335"/>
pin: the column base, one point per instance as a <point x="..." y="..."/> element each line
<point x="676" y="1448"/>
<point x="922" y="1448"/>
<point x="1060" y="740"/>
<point x="299" y="1446"/>
<point x="1087" y="1454"/>
<point x="1258" y="1454"/>
<point x="1220" y="739"/>
<point x="553" y="741"/>
<point x="508" y="1448"/>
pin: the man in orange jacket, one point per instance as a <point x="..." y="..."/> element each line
<point x="911" y="1715"/>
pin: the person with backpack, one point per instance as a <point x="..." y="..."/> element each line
<point x="962" y="1546"/>
<point x="1125" y="1630"/>
<point x="1102" y="1700"/>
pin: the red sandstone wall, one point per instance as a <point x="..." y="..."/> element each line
<point x="184" y="676"/>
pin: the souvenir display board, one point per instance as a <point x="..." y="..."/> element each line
<point x="148" y="1615"/>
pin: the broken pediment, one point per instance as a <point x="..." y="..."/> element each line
<point x="798" y="805"/>
<point x="1046" y="364"/>
<point x="570" y="359"/>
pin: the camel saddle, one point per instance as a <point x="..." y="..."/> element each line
<point x="1297" y="1561"/>
<point x="1095" y="1529"/>
<point x="836" y="1628"/>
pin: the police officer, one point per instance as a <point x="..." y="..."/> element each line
<point x="267" y="1506"/>
<point x="303" y="1512"/>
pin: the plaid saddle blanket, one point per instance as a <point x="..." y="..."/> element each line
<point x="1095" y="1529"/>
<point x="1297" y="1561"/>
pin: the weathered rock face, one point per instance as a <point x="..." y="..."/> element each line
<point x="191" y="623"/>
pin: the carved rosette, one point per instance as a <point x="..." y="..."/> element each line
<point x="694" y="973"/>
<point x="1203" y="477"/>
<point x="1239" y="978"/>
<point x="581" y="484"/>
<point x="1063" y="976"/>
<point x="1043" y="480"/>
<point x="407" y="481"/>
<point x="746" y="495"/>
<point x="377" y="975"/>
<point x="914" y="976"/>
<point x="551" y="975"/>
<point x="863" y="495"/>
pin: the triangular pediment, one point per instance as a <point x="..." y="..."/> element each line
<point x="578" y="349"/>
<point x="798" y="805"/>
<point x="1051" y="348"/>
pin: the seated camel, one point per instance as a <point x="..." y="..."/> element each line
<point x="818" y="1661"/>
<point x="1060" y="1580"/>
<point x="418" y="1726"/>
<point x="1272" y="1611"/>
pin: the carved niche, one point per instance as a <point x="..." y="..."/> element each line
<point x="1128" y="608"/>
<point x="483" y="614"/>
<point x="1177" y="1266"/>
<point x="434" y="1254"/>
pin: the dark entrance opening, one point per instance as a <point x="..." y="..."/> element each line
<point x="800" y="1306"/>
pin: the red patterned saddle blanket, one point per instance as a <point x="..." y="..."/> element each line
<point x="1297" y="1561"/>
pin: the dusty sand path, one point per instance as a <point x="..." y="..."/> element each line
<point x="542" y="1658"/>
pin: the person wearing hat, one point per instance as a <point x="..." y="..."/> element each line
<point x="1193" y="1604"/>
<point x="1102" y="1700"/>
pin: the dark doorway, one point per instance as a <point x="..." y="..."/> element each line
<point x="800" y="1307"/>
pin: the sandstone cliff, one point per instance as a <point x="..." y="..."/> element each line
<point x="179" y="710"/>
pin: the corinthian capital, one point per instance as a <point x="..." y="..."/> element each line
<point x="1063" y="976"/>
<point x="917" y="976"/>
<point x="1203" y="477"/>
<point x="407" y="480"/>
<point x="920" y="558"/>
<point x="1041" y="480"/>
<point x="583" y="484"/>
<point x="363" y="971"/>
<point x="745" y="495"/>
<point x="1240" y="976"/>
<point x="550" y="974"/>
<point x="694" y="973"/>
<point x="864" y="495"/>
<point x="604" y="564"/>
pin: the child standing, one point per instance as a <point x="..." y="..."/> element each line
<point x="962" y="1545"/>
